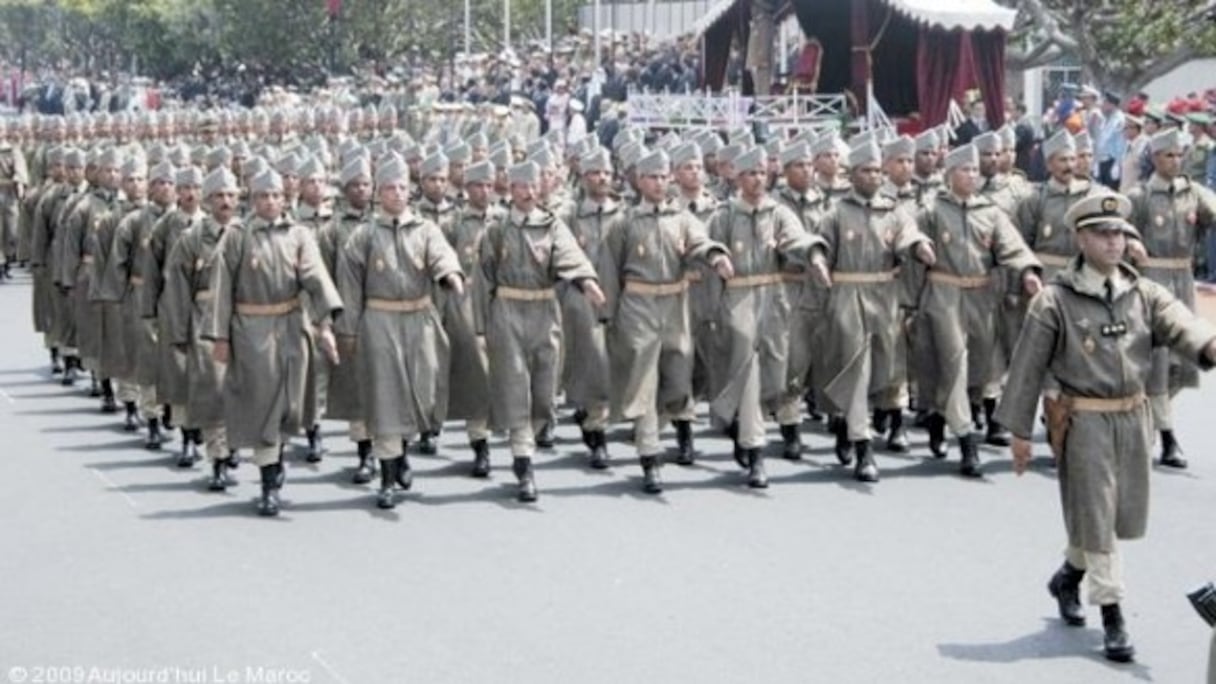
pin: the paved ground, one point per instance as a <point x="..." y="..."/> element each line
<point x="114" y="559"/>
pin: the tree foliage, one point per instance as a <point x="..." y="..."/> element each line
<point x="1121" y="44"/>
<point x="165" y="38"/>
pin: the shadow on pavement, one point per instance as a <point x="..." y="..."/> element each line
<point x="1055" y="640"/>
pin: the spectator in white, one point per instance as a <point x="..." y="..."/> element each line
<point x="576" y="123"/>
<point x="1112" y="143"/>
<point x="1090" y="113"/>
<point x="1137" y="145"/>
<point x="555" y="110"/>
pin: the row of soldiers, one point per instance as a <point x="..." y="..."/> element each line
<point x="647" y="278"/>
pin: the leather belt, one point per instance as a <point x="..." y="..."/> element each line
<point x="962" y="282"/>
<point x="754" y="280"/>
<point x="204" y="296"/>
<point x="1053" y="260"/>
<point x="1115" y="405"/>
<point x="849" y="278"/>
<point x="656" y="289"/>
<point x="522" y="294"/>
<point x="694" y="276"/>
<point x="398" y="305"/>
<point x="275" y="309"/>
<point x="136" y="280"/>
<point x="86" y="259"/>
<point x="793" y="278"/>
<point x="1168" y="264"/>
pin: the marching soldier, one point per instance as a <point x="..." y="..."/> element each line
<point x="1084" y="168"/>
<point x="314" y="213"/>
<point x="386" y="273"/>
<point x="521" y="258"/>
<point x="125" y="280"/>
<point x="259" y="274"/>
<point x="586" y="377"/>
<point x="186" y="298"/>
<point x="828" y="179"/>
<point x="469" y="377"/>
<point x="342" y="395"/>
<point x="1173" y="214"/>
<point x="14" y="179"/>
<point x="642" y="264"/>
<point x="973" y="236"/>
<point x="172" y="381"/>
<point x="867" y="238"/>
<point x="1094" y="330"/>
<point x="39" y="247"/>
<point x="762" y="236"/>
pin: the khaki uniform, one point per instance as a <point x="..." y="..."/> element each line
<point x="259" y="275"/>
<point x="387" y="271"/>
<point x="125" y="281"/>
<point x="1100" y="354"/>
<point x="642" y="265"/>
<point x="185" y="301"/>
<point x="754" y="311"/>
<point x="522" y="257"/>
<point x="702" y="316"/>
<point x="172" y="381"/>
<point x="315" y="219"/>
<point x="1007" y="191"/>
<point x="115" y="360"/>
<point x="959" y="304"/>
<point x="48" y="239"/>
<point x="586" y="376"/>
<point x="867" y="240"/>
<point x="807" y="301"/>
<point x="14" y="177"/>
<point x="36" y="253"/>
<point x="343" y="394"/>
<point x="469" y="376"/>
<point x="78" y="256"/>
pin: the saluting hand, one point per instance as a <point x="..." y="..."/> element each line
<point x="924" y="252"/>
<point x="1021" y="450"/>
<point x="593" y="293"/>
<point x="723" y="266"/>
<point x="1136" y="252"/>
<point x="1032" y="284"/>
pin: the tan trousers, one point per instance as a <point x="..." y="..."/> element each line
<point x="1162" y="406"/>
<point x="215" y="443"/>
<point x="358" y="430"/>
<point x="181" y="416"/>
<point x="523" y="439"/>
<point x="265" y="455"/>
<point x="387" y="447"/>
<point x="149" y="407"/>
<point x="597" y="417"/>
<point x="477" y="429"/>
<point x="126" y="391"/>
<point x="1103" y="574"/>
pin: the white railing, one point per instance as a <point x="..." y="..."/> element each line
<point x="731" y="110"/>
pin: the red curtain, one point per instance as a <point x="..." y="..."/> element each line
<point x="859" y="33"/>
<point x="937" y="66"/>
<point x="988" y="60"/>
<point x="732" y="26"/>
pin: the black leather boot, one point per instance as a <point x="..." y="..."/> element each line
<point x="844" y="448"/>
<point x="220" y="481"/>
<point x="791" y="443"/>
<point x="268" y="504"/>
<point x="970" y="466"/>
<point x="685" y="455"/>
<point x="71" y="366"/>
<point x="108" y="403"/>
<point x="404" y="475"/>
<point x="865" y="470"/>
<point x="739" y="453"/>
<point x="996" y="434"/>
<point x="897" y="436"/>
<point x="545" y="438"/>
<point x="756" y="477"/>
<point x="652" y="482"/>
<point x="1115" y="640"/>
<point x="56" y="366"/>
<point x="481" y="458"/>
<point x="389" y="468"/>
<point x="130" y="422"/>
<point x="167" y="417"/>
<point x="426" y="443"/>
<point x="154" y="439"/>
<point x="315" y="450"/>
<point x="599" y="450"/>
<point x="366" y="470"/>
<point x="1170" y="451"/>
<point x="1065" y="587"/>
<point x="94" y="386"/>
<point x="936" y="423"/>
<point x="189" y="453"/>
<point x="879" y="419"/>
<point x="1203" y="600"/>
<point x="812" y="407"/>
<point x="522" y="466"/>
<point x="977" y="417"/>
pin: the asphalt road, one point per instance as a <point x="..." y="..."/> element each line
<point x="114" y="562"/>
